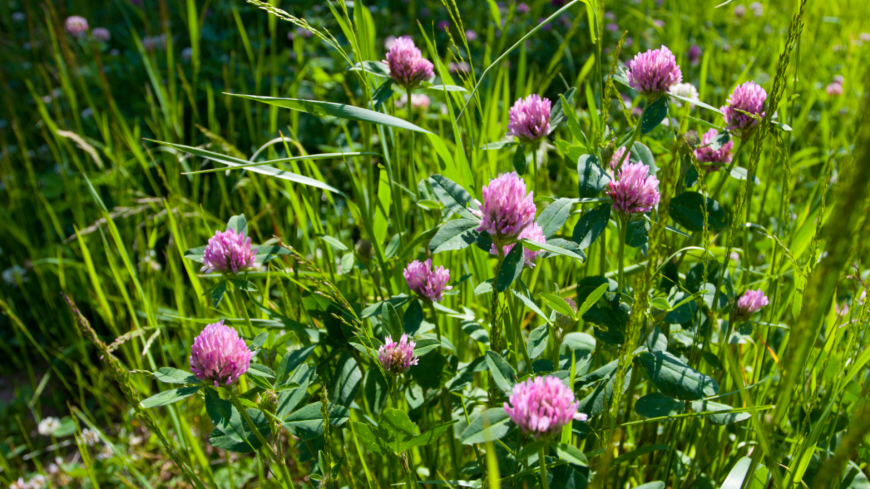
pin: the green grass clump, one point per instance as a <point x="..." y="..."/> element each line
<point x="120" y="158"/>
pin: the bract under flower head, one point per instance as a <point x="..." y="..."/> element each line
<point x="228" y="252"/>
<point x="429" y="283"/>
<point x="533" y="233"/>
<point x="529" y="118"/>
<point x="407" y="65"/>
<point x="634" y="190"/>
<point x="748" y="97"/>
<point x="397" y="358"/>
<point x="507" y="209"/>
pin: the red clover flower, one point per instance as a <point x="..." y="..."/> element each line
<point x="507" y="209"/>
<point x="634" y="191"/>
<point x="429" y="283"/>
<point x="218" y="355"/>
<point x="529" y="119"/>
<point x="407" y="65"/>
<point x="706" y="154"/>
<point x="542" y="406"/>
<point x="397" y="358"/>
<point x="653" y="72"/>
<point x="748" y="97"/>
<point x="228" y="252"/>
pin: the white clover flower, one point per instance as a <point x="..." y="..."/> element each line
<point x="48" y="425"/>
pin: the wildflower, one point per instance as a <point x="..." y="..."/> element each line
<point x="839" y="79"/>
<point x="218" y="355"/>
<point x="739" y="11"/>
<point x="842" y="311"/>
<point x="18" y="17"/>
<point x="506" y="210"/>
<point x="629" y="41"/>
<point x="751" y="301"/>
<point x="418" y="100"/>
<point x="443" y="25"/>
<point x="835" y="89"/>
<point x="659" y="23"/>
<point x="407" y="65"/>
<point x="90" y="437"/>
<point x="105" y="453"/>
<point x="542" y="406"/>
<point x="76" y="26"/>
<point x="757" y="8"/>
<point x="610" y="16"/>
<point x="864" y="36"/>
<point x="48" y="426"/>
<point x="228" y="252"/>
<point x="460" y="67"/>
<point x="101" y="34"/>
<point x="397" y="358"/>
<point x="523" y="8"/>
<point x="187" y="54"/>
<point x="653" y="72"/>
<point x="612" y="27"/>
<point x="634" y="191"/>
<point x="470" y="35"/>
<point x="533" y="233"/>
<point x="748" y="97"/>
<point x="685" y="90"/>
<point x="151" y="43"/>
<point x="389" y="42"/>
<point x="617" y="157"/>
<point x="694" y="54"/>
<point x="430" y="283"/>
<point x="706" y="154"/>
<point x="529" y="118"/>
<point x="305" y="33"/>
<point x="546" y="26"/>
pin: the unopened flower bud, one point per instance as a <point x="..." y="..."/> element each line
<point x="364" y="250"/>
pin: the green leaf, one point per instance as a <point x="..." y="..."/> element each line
<point x="217" y="293"/>
<point x="740" y="173"/>
<point x="265" y="254"/>
<point x="654" y="114"/>
<point x="342" y="111"/>
<point x="526" y="298"/>
<point x="261" y="168"/>
<point x="452" y="195"/>
<point x="376" y="389"/>
<point x="426" y="345"/>
<point x="520" y="162"/>
<point x="652" y="485"/>
<point x="169" y="375"/>
<point x="377" y="308"/>
<point x="490" y="425"/>
<point x="347" y="380"/>
<point x="657" y="405"/>
<point x="260" y="340"/>
<point x="383" y="93"/>
<point x="455" y="235"/>
<point x="413" y="318"/>
<point x="736" y="478"/>
<point x="288" y="399"/>
<point x="377" y="68"/>
<point x="687" y="210"/>
<point x="695" y="102"/>
<point x="719" y="419"/>
<point x="573" y="123"/>
<point x="348" y="260"/>
<point x="448" y="88"/>
<point x="338" y="245"/>
<point x="676" y="379"/>
<point x="243" y="285"/>
<point x="396" y="429"/>
<point x="499" y="145"/>
<point x="592" y="298"/>
<point x="250" y="443"/>
<point x="570" y="454"/>
<point x="391" y="322"/>
<point x="307" y="423"/>
<point x="239" y="224"/>
<point x="554" y="216"/>
<point x="552" y="248"/>
<point x="636" y="234"/>
<point x="557" y="113"/>
<point x="260" y="370"/>
<point x="427" y="437"/>
<point x="592" y="177"/>
<point x="643" y="154"/>
<point x="591" y="225"/>
<point x="558" y="304"/>
<point x="291" y="360"/>
<point x="503" y="374"/>
<point x="511" y="268"/>
<point x="538" y="339"/>
<point x="225" y="416"/>
<point x="170" y="396"/>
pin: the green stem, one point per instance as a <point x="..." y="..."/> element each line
<point x="623" y="229"/>
<point x="240" y="305"/>
<point x="535" y="168"/>
<point x="724" y="178"/>
<point x="266" y="447"/>
<point x="634" y="136"/>
<point x="542" y="461"/>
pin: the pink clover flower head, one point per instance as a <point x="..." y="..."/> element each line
<point x="507" y="209"/>
<point x="218" y="355"/>
<point x="842" y="311"/>
<point x="418" y="100"/>
<point x="407" y="65"/>
<point x="429" y="283"/>
<point x="101" y="34"/>
<point x="740" y="11"/>
<point x="542" y="406"/>
<point x="471" y="35"/>
<point x="397" y="358"/>
<point x="654" y="72"/>
<point x="523" y="8"/>
<point x="834" y="89"/>
<point x="533" y="233"/>
<point x="864" y="36"/>
<point x="750" y="302"/>
<point x="76" y="25"/>
<point x="612" y="27"/>
<point x="748" y="97"/>
<point x="617" y="156"/>
<point x="694" y="54"/>
<point x="529" y="118"/>
<point x="228" y="252"/>
<point x="706" y="154"/>
<point x="839" y="79"/>
<point x="634" y="190"/>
